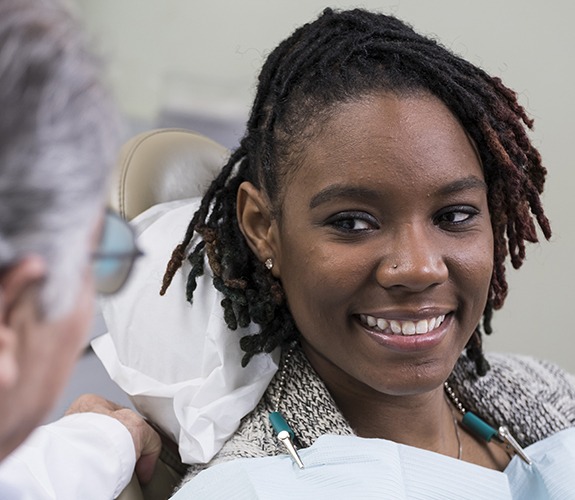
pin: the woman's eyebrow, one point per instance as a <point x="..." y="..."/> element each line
<point x="465" y="184"/>
<point x="346" y="191"/>
<point x="342" y="191"/>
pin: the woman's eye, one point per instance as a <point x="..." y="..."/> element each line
<point x="353" y="222"/>
<point x="457" y="216"/>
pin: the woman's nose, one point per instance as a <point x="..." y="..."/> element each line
<point x="414" y="259"/>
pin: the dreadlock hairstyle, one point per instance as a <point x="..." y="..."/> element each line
<point x="342" y="56"/>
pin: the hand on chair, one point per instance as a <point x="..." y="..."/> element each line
<point x="146" y="440"/>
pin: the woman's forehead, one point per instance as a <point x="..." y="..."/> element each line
<point x="404" y="138"/>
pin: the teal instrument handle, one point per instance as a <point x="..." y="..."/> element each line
<point x="279" y="424"/>
<point x="478" y="427"/>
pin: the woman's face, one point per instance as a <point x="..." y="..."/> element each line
<point x="385" y="247"/>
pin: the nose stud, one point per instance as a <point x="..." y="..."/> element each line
<point x="394" y="266"/>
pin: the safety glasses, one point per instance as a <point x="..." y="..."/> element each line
<point x="114" y="258"/>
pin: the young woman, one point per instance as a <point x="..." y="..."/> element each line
<point x="364" y="224"/>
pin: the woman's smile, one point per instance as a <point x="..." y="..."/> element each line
<point x="406" y="335"/>
<point x="405" y="327"/>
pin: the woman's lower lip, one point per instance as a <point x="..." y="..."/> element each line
<point x="411" y="343"/>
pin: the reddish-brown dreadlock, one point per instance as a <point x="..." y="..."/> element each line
<point x="339" y="57"/>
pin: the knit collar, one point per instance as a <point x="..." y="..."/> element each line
<point x="305" y="403"/>
<point x="506" y="395"/>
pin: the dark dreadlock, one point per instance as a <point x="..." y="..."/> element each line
<point x="339" y="57"/>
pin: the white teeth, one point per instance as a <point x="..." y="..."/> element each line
<point x="406" y="327"/>
<point x="422" y="326"/>
<point x="382" y="324"/>
<point x="395" y="326"/>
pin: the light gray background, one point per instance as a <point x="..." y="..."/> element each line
<point x="201" y="58"/>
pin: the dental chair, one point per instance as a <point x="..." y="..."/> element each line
<point x="163" y="165"/>
<point x="159" y="166"/>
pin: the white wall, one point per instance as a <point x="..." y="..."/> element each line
<point x="207" y="53"/>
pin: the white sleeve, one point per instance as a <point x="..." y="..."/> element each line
<point x="86" y="455"/>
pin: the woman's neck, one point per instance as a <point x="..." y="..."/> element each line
<point x="422" y="420"/>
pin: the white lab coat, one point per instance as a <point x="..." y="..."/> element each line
<point x="82" y="456"/>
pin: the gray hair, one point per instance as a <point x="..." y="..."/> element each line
<point x="58" y="140"/>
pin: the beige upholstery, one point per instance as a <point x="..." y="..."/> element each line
<point x="154" y="167"/>
<point x="163" y="165"/>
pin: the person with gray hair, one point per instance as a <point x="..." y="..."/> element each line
<point x="58" y="138"/>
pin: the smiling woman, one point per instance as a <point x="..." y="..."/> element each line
<point x="405" y="189"/>
<point x="363" y="225"/>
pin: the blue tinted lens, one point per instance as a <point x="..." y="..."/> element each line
<point x="115" y="255"/>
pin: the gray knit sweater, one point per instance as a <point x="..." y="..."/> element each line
<point x="534" y="399"/>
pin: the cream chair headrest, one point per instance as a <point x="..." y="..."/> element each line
<point x="163" y="165"/>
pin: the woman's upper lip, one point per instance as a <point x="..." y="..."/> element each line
<point x="412" y="314"/>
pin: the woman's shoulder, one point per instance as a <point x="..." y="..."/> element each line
<point x="521" y="374"/>
<point x="534" y="398"/>
<point x="543" y="373"/>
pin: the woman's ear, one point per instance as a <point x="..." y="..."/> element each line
<point x="256" y="222"/>
<point x="15" y="285"/>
